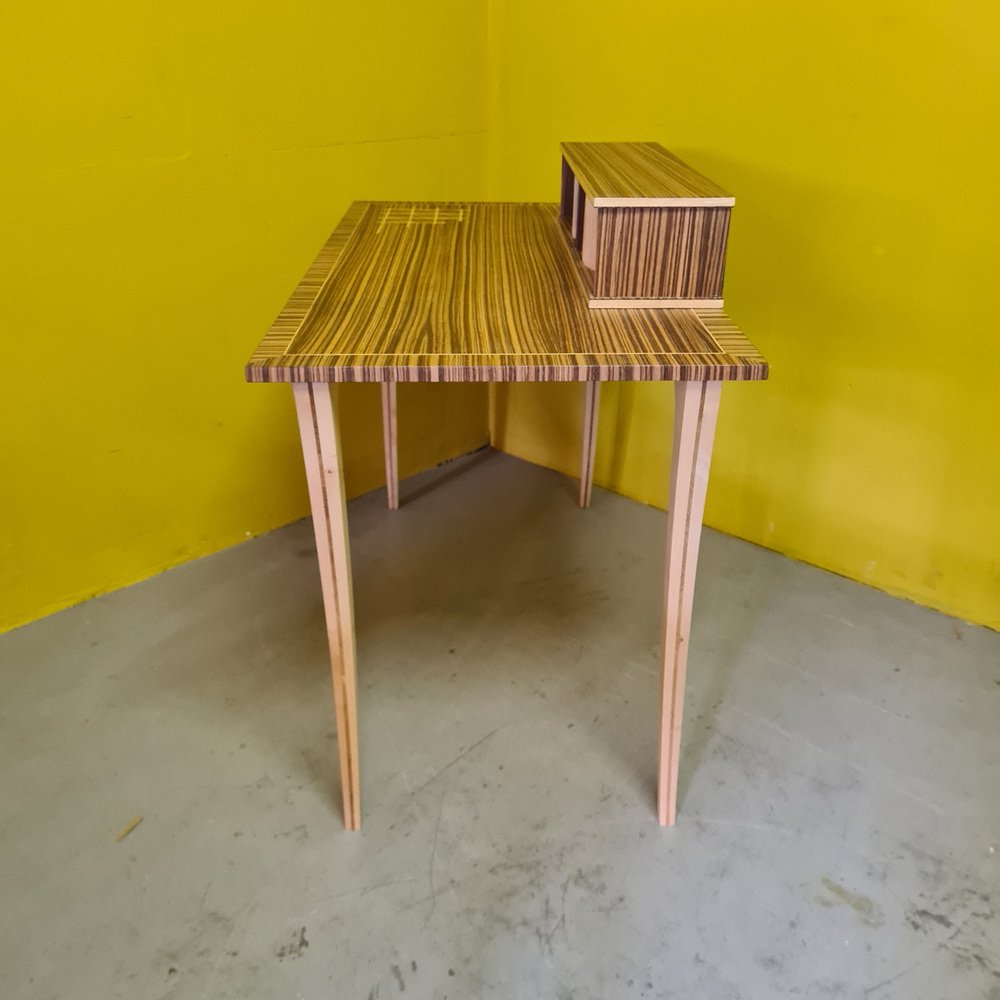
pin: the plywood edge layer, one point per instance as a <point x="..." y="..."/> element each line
<point x="596" y="303"/>
<point x="747" y="367"/>
<point x="664" y="202"/>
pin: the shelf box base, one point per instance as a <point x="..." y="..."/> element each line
<point x="602" y="303"/>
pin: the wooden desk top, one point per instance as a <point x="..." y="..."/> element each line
<point x="480" y="292"/>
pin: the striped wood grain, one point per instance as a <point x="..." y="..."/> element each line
<point x="661" y="253"/>
<point x="487" y="292"/>
<point x="624" y="173"/>
<point x="291" y="317"/>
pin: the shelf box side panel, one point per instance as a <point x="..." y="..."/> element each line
<point x="566" y="198"/>
<point x="588" y="240"/>
<point x="661" y="253"/>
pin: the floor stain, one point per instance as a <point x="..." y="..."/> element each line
<point x="299" y="833"/>
<point x="398" y="973"/>
<point x="868" y="911"/>
<point x="917" y="919"/>
<point x="956" y="914"/>
<point x="296" y="948"/>
<point x="591" y="880"/>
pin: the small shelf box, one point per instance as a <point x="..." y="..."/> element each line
<point x="649" y="230"/>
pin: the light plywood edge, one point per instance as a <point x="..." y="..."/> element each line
<point x="696" y="409"/>
<point x="727" y="202"/>
<point x="591" y="405"/>
<point x="390" y="443"/>
<point x="320" y="435"/>
<point x="596" y="303"/>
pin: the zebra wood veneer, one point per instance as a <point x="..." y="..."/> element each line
<point x="650" y="231"/>
<point x="418" y="292"/>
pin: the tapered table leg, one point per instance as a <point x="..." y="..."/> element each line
<point x="591" y="401"/>
<point x="696" y="407"/>
<point x="325" y="475"/>
<point x="389" y="437"/>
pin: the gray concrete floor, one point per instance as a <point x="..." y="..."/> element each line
<point x="839" y="831"/>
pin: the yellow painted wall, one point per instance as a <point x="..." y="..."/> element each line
<point x="167" y="171"/>
<point x="860" y="139"/>
<point x="166" y="174"/>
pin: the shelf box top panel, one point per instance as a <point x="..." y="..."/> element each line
<point x="630" y="174"/>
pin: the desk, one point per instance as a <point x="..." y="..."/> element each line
<point x="487" y="292"/>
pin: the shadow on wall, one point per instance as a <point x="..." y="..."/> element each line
<point x="859" y="454"/>
<point x="436" y="422"/>
<point x="541" y="422"/>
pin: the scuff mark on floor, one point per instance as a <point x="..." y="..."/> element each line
<point x="296" y="948"/>
<point x="868" y="911"/>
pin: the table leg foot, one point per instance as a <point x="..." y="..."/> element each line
<point x="696" y="408"/>
<point x="320" y="435"/>
<point x="389" y="437"/>
<point x="591" y="402"/>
